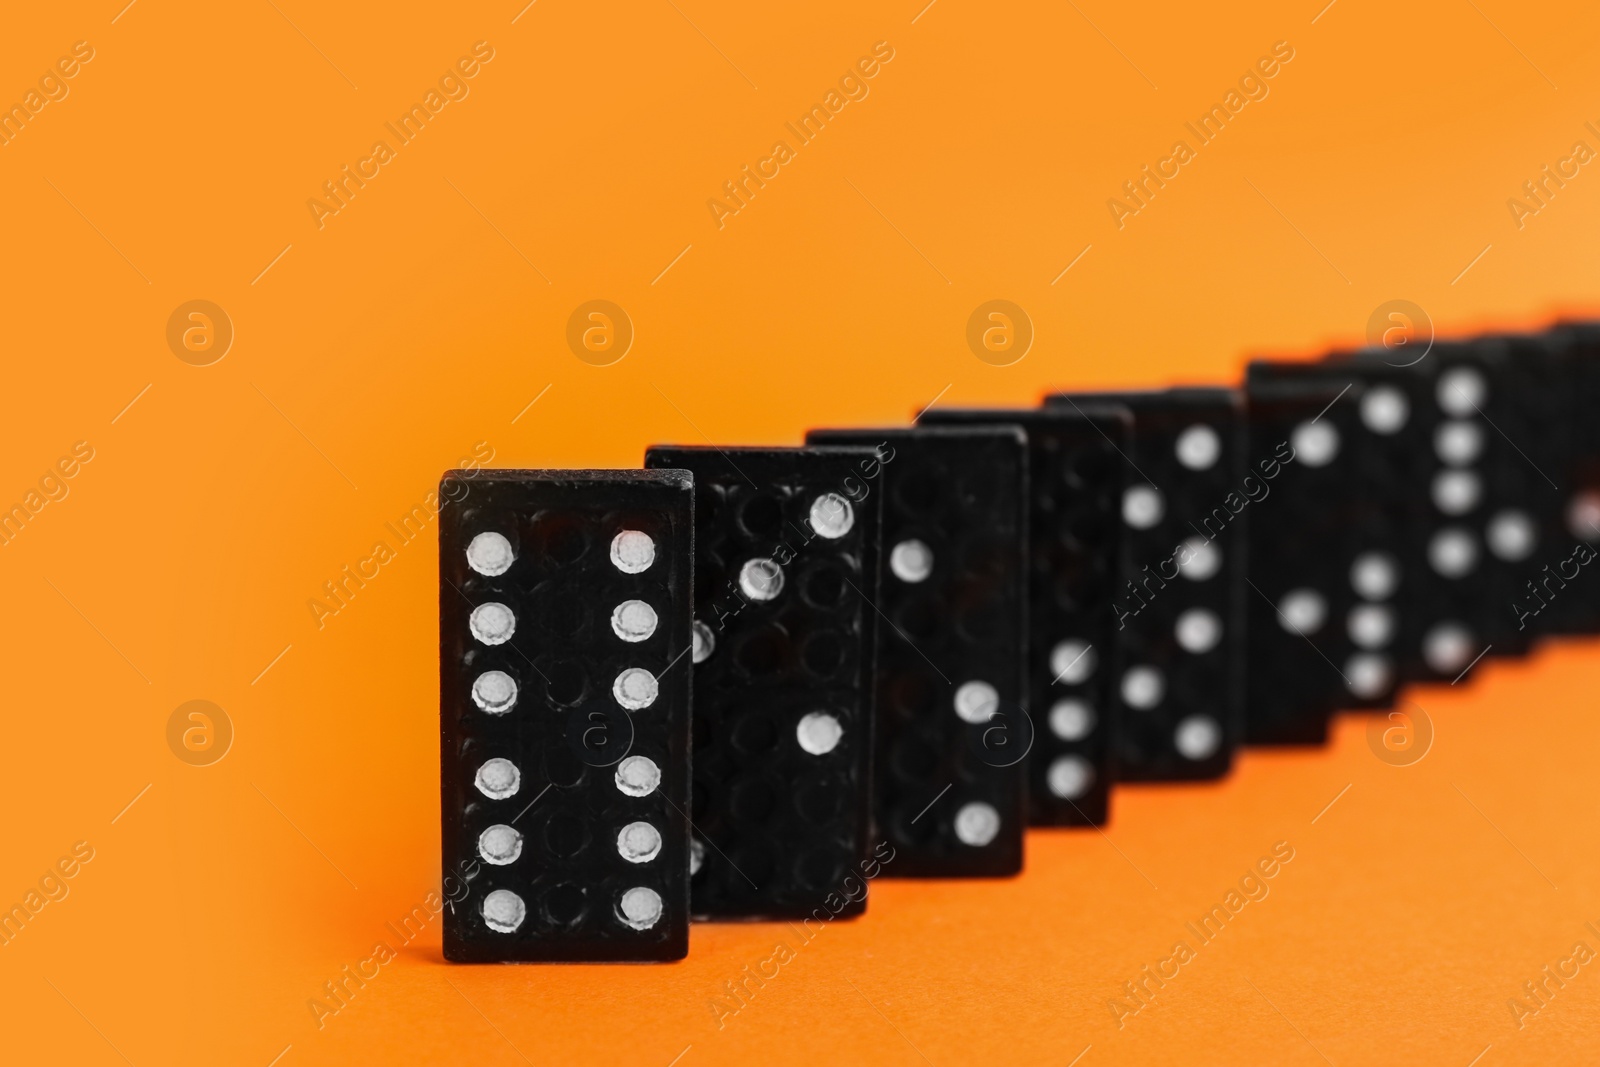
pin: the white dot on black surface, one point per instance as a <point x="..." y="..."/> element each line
<point x="1197" y="737"/>
<point x="1583" y="516"/>
<point x="760" y="579"/>
<point x="1072" y="662"/>
<point x="1142" y="506"/>
<point x="1374" y="575"/>
<point x="976" y="702"/>
<point x="911" y="561"/>
<point x="819" y="733"/>
<point x="492" y="624"/>
<point x="498" y="778"/>
<point x="832" y="516"/>
<point x="1370" y="625"/>
<point x="1315" y="443"/>
<point x="1385" y="410"/>
<point x="640" y="908"/>
<point x="633" y="620"/>
<point x="635" y="688"/>
<point x="1458" y="443"/>
<point x="1511" y="535"/>
<point x="1368" y="675"/>
<point x="1453" y="552"/>
<point x="639" y="842"/>
<point x="1198" y="630"/>
<point x="1069" y="777"/>
<point x="490" y="554"/>
<point x="1302" y="611"/>
<point x="632" y="551"/>
<point x="1199" y="558"/>
<point x="977" y="824"/>
<point x="703" y="640"/>
<point x="1447" y="647"/>
<point x="638" y="776"/>
<point x="1461" y="391"/>
<point x="494" y="691"/>
<point x="1198" y="447"/>
<point x="1071" y="719"/>
<point x="500" y="844"/>
<point x="503" y="911"/>
<point x="1456" y="492"/>
<point x="1142" y="687"/>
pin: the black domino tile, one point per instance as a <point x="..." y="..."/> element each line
<point x="951" y="790"/>
<point x="1180" y="609"/>
<point x="1075" y="557"/>
<point x="1522" y="396"/>
<point x="783" y="683"/>
<point x="591" y="839"/>
<point x="1327" y="542"/>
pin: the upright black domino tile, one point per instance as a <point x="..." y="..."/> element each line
<point x="1516" y="392"/>
<point x="1325" y="552"/>
<point x="1075" y="557"/>
<point x="1388" y="451"/>
<point x="950" y="792"/>
<point x="564" y="609"/>
<point x="1180" y="610"/>
<point x="785" y="633"/>
<point x="1478" y="502"/>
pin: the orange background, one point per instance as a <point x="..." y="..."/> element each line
<point x="380" y="349"/>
